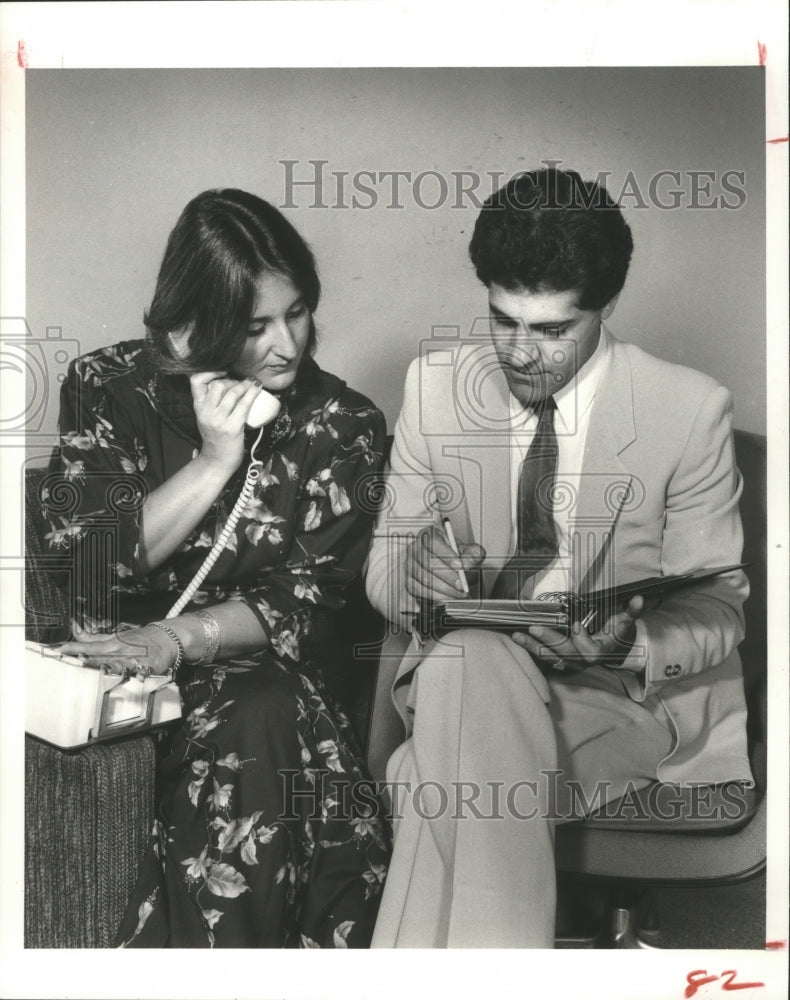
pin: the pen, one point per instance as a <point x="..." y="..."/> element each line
<point x="448" y="530"/>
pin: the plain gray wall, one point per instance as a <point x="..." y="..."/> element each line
<point x="114" y="155"/>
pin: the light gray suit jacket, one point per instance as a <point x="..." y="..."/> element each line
<point x="658" y="475"/>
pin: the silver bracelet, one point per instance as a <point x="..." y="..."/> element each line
<point x="211" y="637"/>
<point x="176" y="640"/>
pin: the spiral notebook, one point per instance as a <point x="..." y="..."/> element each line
<point x="559" y="611"/>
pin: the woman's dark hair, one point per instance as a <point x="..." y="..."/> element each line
<point x="549" y="229"/>
<point x="220" y="248"/>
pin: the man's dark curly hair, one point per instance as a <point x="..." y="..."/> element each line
<point x="549" y="229"/>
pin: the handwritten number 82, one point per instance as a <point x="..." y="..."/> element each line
<point x="700" y="977"/>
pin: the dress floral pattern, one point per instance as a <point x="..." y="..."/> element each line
<point x="268" y="833"/>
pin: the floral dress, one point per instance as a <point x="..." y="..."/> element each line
<point x="268" y="833"/>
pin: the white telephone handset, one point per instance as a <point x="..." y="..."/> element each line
<point x="263" y="410"/>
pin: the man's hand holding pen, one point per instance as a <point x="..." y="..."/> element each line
<point x="436" y="567"/>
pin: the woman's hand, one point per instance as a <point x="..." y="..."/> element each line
<point x="432" y="566"/>
<point x="178" y="505"/>
<point x="147" y="650"/>
<point x="222" y="406"/>
<point x="609" y="646"/>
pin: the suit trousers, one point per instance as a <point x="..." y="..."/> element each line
<point x="498" y="754"/>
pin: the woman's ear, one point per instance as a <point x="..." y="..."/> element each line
<point x="608" y="309"/>
<point x="177" y="341"/>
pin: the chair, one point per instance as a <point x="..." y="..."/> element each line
<point x="628" y="858"/>
<point x="89" y="812"/>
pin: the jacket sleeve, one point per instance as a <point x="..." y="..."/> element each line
<point x="404" y="510"/>
<point x="334" y="518"/>
<point x="698" y="628"/>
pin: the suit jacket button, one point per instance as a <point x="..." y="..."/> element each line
<point x="668" y="671"/>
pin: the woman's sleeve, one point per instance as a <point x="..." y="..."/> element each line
<point x="93" y="492"/>
<point x="334" y="520"/>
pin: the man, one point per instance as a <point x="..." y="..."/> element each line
<point x="565" y="460"/>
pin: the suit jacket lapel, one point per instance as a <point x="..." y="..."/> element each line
<point x="604" y="489"/>
<point x="482" y="452"/>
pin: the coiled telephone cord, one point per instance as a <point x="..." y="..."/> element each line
<point x="250" y="482"/>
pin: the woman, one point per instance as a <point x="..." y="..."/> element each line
<point x="258" y="841"/>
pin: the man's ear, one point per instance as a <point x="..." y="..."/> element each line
<point x="608" y="309"/>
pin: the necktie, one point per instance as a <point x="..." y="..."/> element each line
<point x="537" y="533"/>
